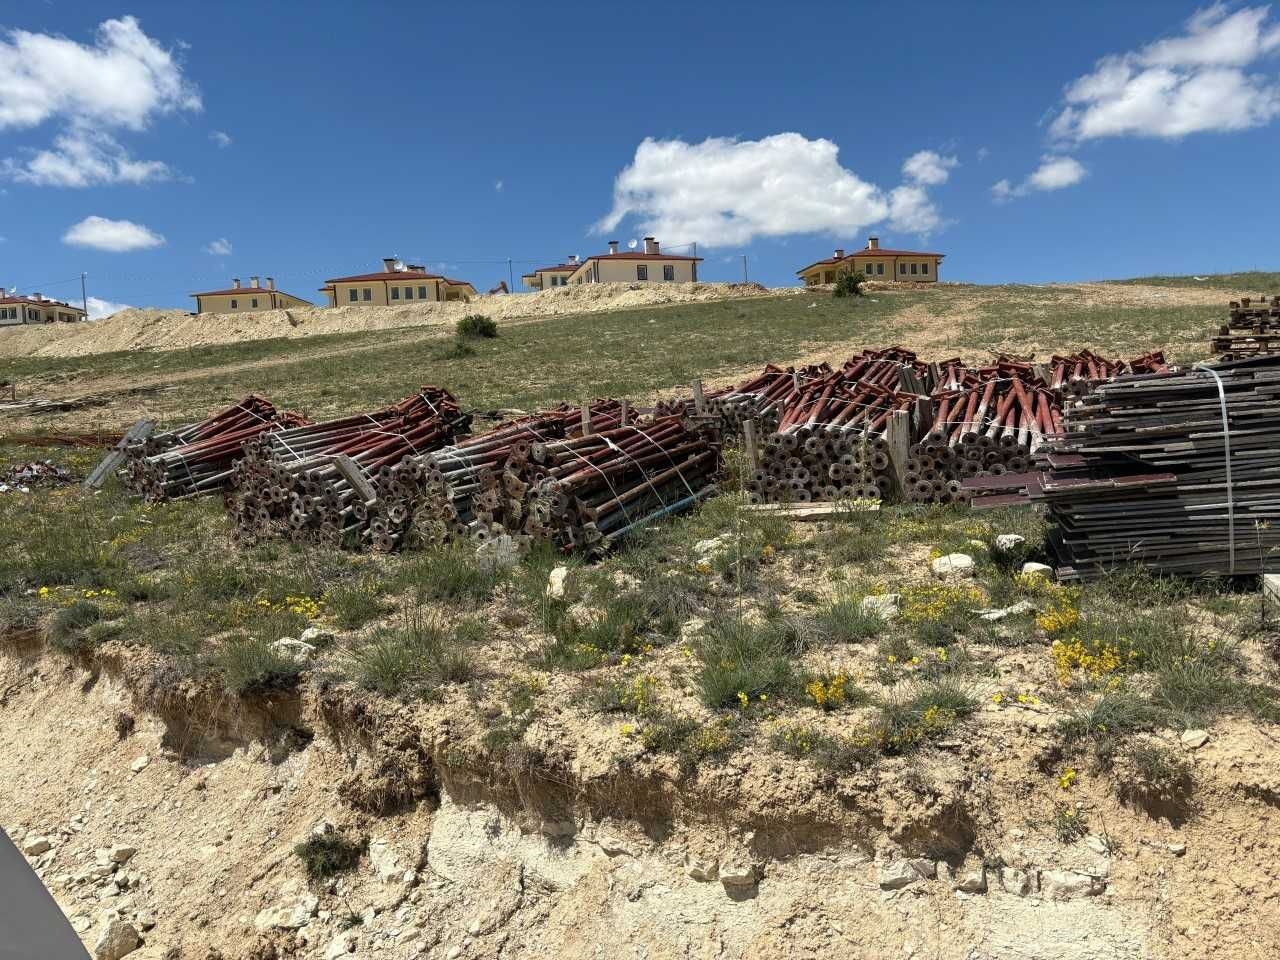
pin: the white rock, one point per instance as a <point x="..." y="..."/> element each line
<point x="953" y="566"/>
<point x="705" y="870"/>
<point x="1097" y="844"/>
<point x="995" y="614"/>
<point x="316" y="636"/>
<point x="706" y="549"/>
<point x="900" y="873"/>
<point x="118" y="939"/>
<point x="454" y="953"/>
<point x="122" y="853"/>
<point x="341" y="945"/>
<point x="556" y="583"/>
<point x="385" y="861"/>
<point x="145" y="920"/>
<point x="614" y="846"/>
<point x="81" y="924"/>
<point x="140" y="764"/>
<point x="1195" y="739"/>
<point x="1038" y="570"/>
<point x="297" y="650"/>
<point x="500" y="553"/>
<point x="1021" y="883"/>
<point x="34" y="846"/>
<point x="1177" y="849"/>
<point x="1009" y="541"/>
<point x="287" y="916"/>
<point x="1068" y="884"/>
<point x="883" y="605"/>
<point x="322" y="828"/>
<point x="971" y="881"/>
<point x="692" y="629"/>
<point x="738" y="873"/>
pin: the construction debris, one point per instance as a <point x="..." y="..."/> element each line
<point x="1252" y="329"/>
<point x="21" y="477"/>
<point x="1179" y="472"/>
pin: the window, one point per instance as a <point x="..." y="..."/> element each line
<point x="880" y="269"/>
<point x="422" y="293"/>
<point x="235" y="304"/>
<point x="668" y="271"/>
<point x="914" y="268"/>
<point x="253" y="303"/>
<point x="902" y="269"/>
<point x="924" y="268"/>
<point x="869" y="267"/>
<point x="408" y="293"/>
<point x="642" y="272"/>
<point x="367" y="295"/>
<point x="353" y="294"/>
<point x="395" y="293"/>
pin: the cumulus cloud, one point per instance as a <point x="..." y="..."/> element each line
<point x="83" y="158"/>
<point x="113" y="236"/>
<point x="218" y="248"/>
<point x="725" y="191"/>
<point x="98" y="309"/>
<point x="223" y="140"/>
<point x="498" y="185"/>
<point x="119" y="82"/>
<point x="1192" y="83"/>
<point x="929" y="168"/>
<point x="1054" y="173"/>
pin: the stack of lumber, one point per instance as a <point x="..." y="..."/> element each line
<point x="1252" y="329"/>
<point x="1145" y="473"/>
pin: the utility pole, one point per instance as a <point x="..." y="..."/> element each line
<point x="84" y="295"/>
<point x="744" y="268"/>
<point x="511" y="280"/>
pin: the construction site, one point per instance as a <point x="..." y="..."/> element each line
<point x="682" y="620"/>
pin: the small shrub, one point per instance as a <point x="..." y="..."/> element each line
<point x="251" y="667"/>
<point x="1151" y="773"/>
<point x="929" y="713"/>
<point x="848" y="285"/>
<point x="1069" y="824"/>
<point x="68" y="625"/>
<point x="477" y="325"/>
<point x="843" y="621"/>
<point x="414" y="657"/>
<point x="832" y="691"/>
<point x="450" y="573"/>
<point x="325" y="856"/>
<point x="355" y="604"/>
<point x="742" y="662"/>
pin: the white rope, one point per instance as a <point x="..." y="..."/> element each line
<point x="1226" y="456"/>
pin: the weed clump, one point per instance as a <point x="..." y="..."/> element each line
<point x="744" y="661"/>
<point x="327" y="855"/>
<point x="477" y="326"/>
<point x="67" y="628"/>
<point x="252" y="667"/>
<point x="416" y="657"/>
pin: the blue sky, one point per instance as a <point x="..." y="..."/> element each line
<point x="163" y="151"/>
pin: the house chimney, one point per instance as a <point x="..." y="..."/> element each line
<point x="389" y="264"/>
<point x="839" y="253"/>
<point x="37" y="296"/>
<point x="650" y="245"/>
<point x="613" y="246"/>
<point x="235" y="283"/>
<point x="271" y="283"/>
<point x="873" y="243"/>
<point x="253" y="282"/>
<point x="573" y="257"/>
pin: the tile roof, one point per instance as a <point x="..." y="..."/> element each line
<point x="638" y="256"/>
<point x="40" y="303"/>
<point x="385" y="275"/>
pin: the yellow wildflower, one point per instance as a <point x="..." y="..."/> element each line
<point x="1068" y="779"/>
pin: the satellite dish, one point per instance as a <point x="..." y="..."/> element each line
<point x="632" y="243"/>
<point x="12" y="291"/>
<point x="399" y="266"/>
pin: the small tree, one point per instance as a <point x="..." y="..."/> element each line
<point x="477" y="325"/>
<point x="848" y="285"/>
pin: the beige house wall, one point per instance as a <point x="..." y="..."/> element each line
<point x="244" y="302"/>
<point x="895" y="268"/>
<point x="380" y="294"/>
<point x="15" y="313"/>
<point x="622" y="270"/>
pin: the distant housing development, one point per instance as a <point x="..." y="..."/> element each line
<point x="238" y="299"/>
<point x="544" y="278"/>
<point x="396" y="283"/>
<point x="876" y="262"/>
<point x="37" y="309"/>
<point x="630" y="266"/>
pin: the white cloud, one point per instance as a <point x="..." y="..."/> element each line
<point x="119" y="82"/>
<point x="1192" y="83"/>
<point x="99" y="309"/>
<point x="1054" y="173"/>
<point x="498" y="185"/>
<point x="82" y="158"/>
<point x="724" y="191"/>
<point x="113" y="236"/>
<point x="219" y="248"/>
<point x="223" y="140"/>
<point x="983" y="153"/>
<point x="929" y="168"/>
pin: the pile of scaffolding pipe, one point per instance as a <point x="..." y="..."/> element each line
<point x="1076" y="374"/>
<point x="587" y="492"/>
<point x="342" y="482"/>
<point x="197" y="458"/>
<point x="758" y="398"/>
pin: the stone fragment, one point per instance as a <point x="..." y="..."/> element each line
<point x="704" y="870"/>
<point x="118" y="939"/>
<point x="297" y="650"/>
<point x="385" y="861"/>
<point x="34" y="846"/>
<point x="316" y="636"/>
<point x="1020" y="883"/>
<point x="995" y="614"/>
<point x="287" y="916"/>
<point x="971" y="881"/>
<point x="140" y="764"/>
<point x="738" y="873"/>
<point x="500" y="553"/>
<point x="1069" y="884"/>
<point x="883" y="605"/>
<point x="953" y="566"/>
<point x="121" y="853"/>
<point x="1195" y="739"/>
<point x="556" y="583"/>
<point x="341" y="945"/>
<point x="1038" y="570"/>
<point x="901" y="873"/>
<point x="1009" y="541"/>
<point x="1177" y="849"/>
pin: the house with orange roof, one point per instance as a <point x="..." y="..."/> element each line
<point x="36" y="308"/>
<point x="253" y="298"/>
<point x="396" y="284"/>
<point x="630" y="266"/>
<point x="875" y="262"/>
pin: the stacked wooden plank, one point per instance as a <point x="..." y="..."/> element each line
<point x="197" y="458"/>
<point x="1148" y="472"/>
<point x="1252" y="329"/>
<point x="342" y="481"/>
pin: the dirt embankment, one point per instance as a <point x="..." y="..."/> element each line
<point x="175" y="811"/>
<point x="173" y="329"/>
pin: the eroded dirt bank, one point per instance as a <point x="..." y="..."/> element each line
<point x="551" y="852"/>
